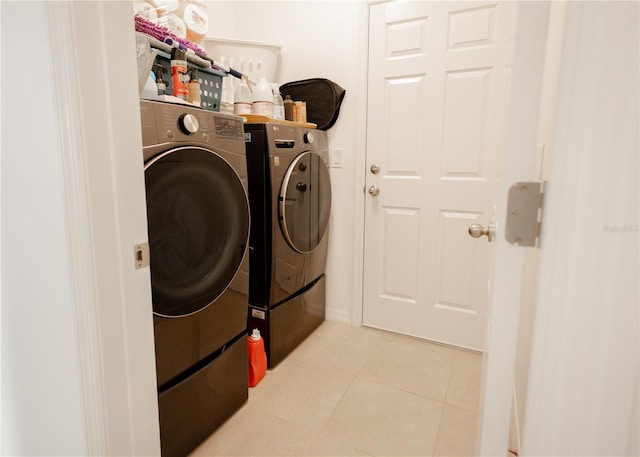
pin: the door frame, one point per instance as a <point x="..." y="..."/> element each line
<point x="508" y="280"/>
<point x="562" y="348"/>
<point x="498" y="373"/>
<point x="94" y="73"/>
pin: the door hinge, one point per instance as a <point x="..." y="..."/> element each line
<point x="141" y="255"/>
<point x="524" y="214"/>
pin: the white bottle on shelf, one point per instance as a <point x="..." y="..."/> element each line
<point x="262" y="99"/>
<point x="278" y="103"/>
<point x="242" y="99"/>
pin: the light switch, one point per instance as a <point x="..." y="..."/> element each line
<point x="336" y="157"/>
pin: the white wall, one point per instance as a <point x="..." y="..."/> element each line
<point x="324" y="39"/>
<point x="78" y="367"/>
<point x="42" y="397"/>
<point x="585" y="364"/>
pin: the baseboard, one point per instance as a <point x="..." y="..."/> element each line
<point x="338" y="315"/>
<point x="514" y="426"/>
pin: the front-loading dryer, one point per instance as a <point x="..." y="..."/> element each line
<point x="198" y="226"/>
<point x="290" y="196"/>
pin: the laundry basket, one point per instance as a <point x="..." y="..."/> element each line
<point x="254" y="59"/>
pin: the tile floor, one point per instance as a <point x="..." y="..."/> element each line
<point x="358" y="392"/>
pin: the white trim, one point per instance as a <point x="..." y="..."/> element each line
<point x="550" y="80"/>
<point x="519" y="160"/>
<point x="104" y="181"/>
<point x="1" y="294"/>
<point x="550" y="84"/>
<point x="78" y="223"/>
<point x="360" y="165"/>
<point x="515" y="443"/>
<point x="338" y="315"/>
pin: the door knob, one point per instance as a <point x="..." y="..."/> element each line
<point x="375" y="169"/>
<point x="477" y="230"/>
<point x="373" y="191"/>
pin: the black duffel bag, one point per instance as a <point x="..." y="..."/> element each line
<point x="322" y="96"/>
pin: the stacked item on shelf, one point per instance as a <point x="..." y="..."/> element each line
<point x="161" y="24"/>
<point x="186" y="19"/>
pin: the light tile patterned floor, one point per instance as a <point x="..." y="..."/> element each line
<point x="349" y="391"/>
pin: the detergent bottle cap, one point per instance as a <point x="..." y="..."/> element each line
<point x="255" y="335"/>
<point x="158" y="71"/>
<point x="194" y="75"/>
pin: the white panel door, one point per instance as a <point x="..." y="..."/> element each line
<point x="438" y="85"/>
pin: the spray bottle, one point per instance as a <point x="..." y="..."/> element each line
<point x="160" y="83"/>
<point x="179" y="75"/>
<point x="194" y="88"/>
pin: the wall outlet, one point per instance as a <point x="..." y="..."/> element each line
<point x="336" y="157"/>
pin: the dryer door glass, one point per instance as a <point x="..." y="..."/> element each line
<point x="198" y="222"/>
<point x="305" y="202"/>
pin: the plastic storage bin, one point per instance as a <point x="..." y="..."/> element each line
<point x="210" y="82"/>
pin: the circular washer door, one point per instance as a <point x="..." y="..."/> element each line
<point x="198" y="223"/>
<point x="305" y="202"/>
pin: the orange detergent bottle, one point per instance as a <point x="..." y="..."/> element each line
<point x="257" y="358"/>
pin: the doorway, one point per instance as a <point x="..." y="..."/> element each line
<point x="523" y="104"/>
<point x="439" y="75"/>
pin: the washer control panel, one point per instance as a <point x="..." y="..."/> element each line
<point x="228" y="128"/>
<point x="181" y="123"/>
<point x="164" y="123"/>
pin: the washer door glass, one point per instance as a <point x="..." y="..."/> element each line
<point x="305" y="202"/>
<point x="198" y="222"/>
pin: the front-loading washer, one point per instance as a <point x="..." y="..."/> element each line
<point x="290" y="201"/>
<point x="198" y="226"/>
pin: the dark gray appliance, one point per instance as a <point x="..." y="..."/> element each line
<point x="198" y="225"/>
<point x="290" y="201"/>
